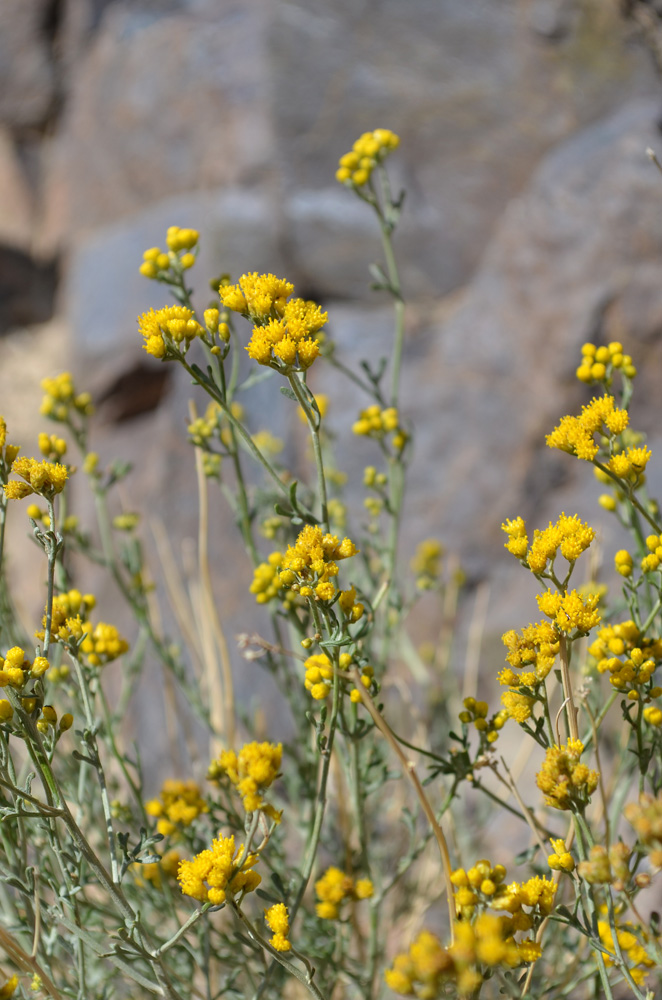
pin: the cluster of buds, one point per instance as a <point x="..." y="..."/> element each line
<point x="355" y="168"/>
<point x="561" y="860"/>
<point x="608" y="866"/>
<point x="651" y="562"/>
<point x="377" y="423"/>
<point x="62" y="401"/>
<point x="564" y="780"/>
<point x="158" y="264"/>
<point x="334" y="887"/>
<point x="251" y="771"/>
<point x="646" y="818"/>
<point x="598" y="363"/>
<point x="47" y="722"/>
<point x="179" y="804"/>
<point x="476" y="712"/>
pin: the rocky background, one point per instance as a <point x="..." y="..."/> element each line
<point x="533" y="222"/>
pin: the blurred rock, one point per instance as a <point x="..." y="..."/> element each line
<point x="176" y="97"/>
<point x="560" y="270"/>
<point x="27" y="78"/>
<point x="161" y="103"/>
<point x="16" y="201"/>
<point x="27" y="289"/>
<point x="473" y="91"/>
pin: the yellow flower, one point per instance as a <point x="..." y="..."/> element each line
<point x="45" y="478"/>
<point x="570" y="611"/>
<point x="277" y="918"/>
<point x="9" y="988"/>
<point x="563" y="779"/>
<point x="355" y="168"/>
<point x="179" y="805"/>
<point x="313" y="561"/>
<point x="251" y="771"/>
<point x="170" y="327"/>
<point x="576" y="434"/>
<point x="214" y="874"/>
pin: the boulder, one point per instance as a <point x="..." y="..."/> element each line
<point x="27" y="77"/>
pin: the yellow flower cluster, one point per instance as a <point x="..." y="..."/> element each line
<point x="171" y="327"/>
<point x="641" y="658"/>
<point x="180" y="242"/>
<point x="355" y="168"/>
<point x="259" y="297"/>
<point x="48" y="720"/>
<point x="575" y="434"/>
<point x="563" y="779"/>
<point x="561" y="860"/>
<point x="179" y="804"/>
<point x="630" y="946"/>
<point x="486" y="943"/>
<point x="476" y="712"/>
<point x="537" y="893"/>
<point x="67" y="605"/>
<point x="623" y="562"/>
<point x="423" y="970"/>
<point x="334" y="887"/>
<point x="203" y="428"/>
<point x="568" y="535"/>
<point x="45" y="478"/>
<point x="14" y="667"/>
<point x="266" y="578"/>
<point x="350" y="607"/>
<point x="426" y="563"/>
<point x="476" y="885"/>
<point x="630" y="464"/>
<point x="6" y="711"/>
<point x="311" y="564"/>
<point x="51" y="446"/>
<point x="215" y="873"/>
<point x="283" y="335"/>
<point x="571" y="611"/>
<point x="377" y="423"/>
<point x="651" y="562"/>
<point x="61" y="396"/>
<point x="319" y="675"/>
<point x="607" y="866"/>
<point x="598" y="363"/>
<point x="102" y="643"/>
<point x="278" y="920"/>
<point x="646" y="818"/>
<point x="8" y="452"/>
<point x="9" y="988"/>
<point x="535" y="649"/>
<point x="251" y="771"/>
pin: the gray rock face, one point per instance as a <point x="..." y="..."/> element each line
<point x="27" y="82"/>
<point x="573" y="259"/>
<point x="173" y="98"/>
<point x="163" y="103"/>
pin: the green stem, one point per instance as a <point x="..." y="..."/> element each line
<point x="277" y="955"/>
<point x="91" y="742"/>
<point x="51" y="552"/>
<point x="313" y="424"/>
<point x="213" y="391"/>
<point x="193" y="919"/>
<point x="245" y="522"/>
<point x="630" y="495"/>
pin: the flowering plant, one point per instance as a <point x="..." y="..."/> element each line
<point x="333" y="862"/>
